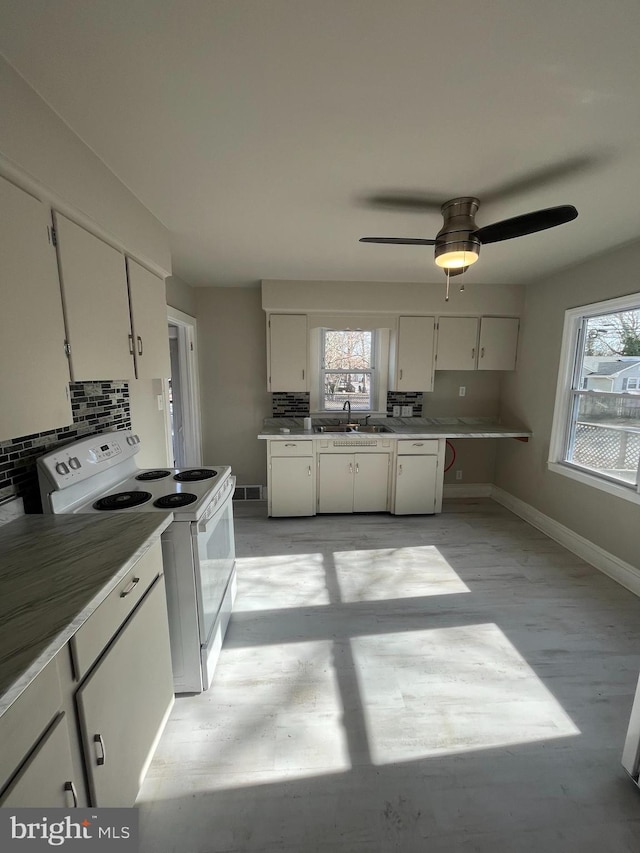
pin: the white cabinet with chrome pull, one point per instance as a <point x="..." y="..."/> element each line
<point x="291" y="481"/>
<point x="353" y="482"/>
<point x="148" y="322"/>
<point x="477" y="343"/>
<point x="412" y="362"/>
<point x="287" y="348"/>
<point x="419" y="477"/>
<point x="125" y="699"/>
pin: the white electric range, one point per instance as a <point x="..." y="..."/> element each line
<point x="99" y="474"/>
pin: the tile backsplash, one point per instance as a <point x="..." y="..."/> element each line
<point x="405" y="398"/>
<point x="289" y="404"/>
<point x="96" y="406"/>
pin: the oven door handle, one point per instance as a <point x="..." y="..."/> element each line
<point x="230" y="485"/>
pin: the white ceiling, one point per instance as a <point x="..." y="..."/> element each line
<point x="256" y="130"/>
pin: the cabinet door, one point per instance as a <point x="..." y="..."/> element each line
<point x="371" y="482"/>
<point x="335" y="482"/>
<point x="498" y="343"/>
<point x="123" y="704"/>
<point x="149" y="322"/>
<point x="288" y="352"/>
<point x="96" y="304"/>
<point x="415" y="360"/>
<point x="457" y="343"/>
<point x="46" y="780"/>
<point x="416" y="483"/>
<point x="35" y="377"/>
<point x="291" y="486"/>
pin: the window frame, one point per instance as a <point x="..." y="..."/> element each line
<point x="568" y="393"/>
<point x="371" y="370"/>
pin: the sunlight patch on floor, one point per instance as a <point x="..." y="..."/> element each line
<point x="282" y="581"/>
<point x="462" y="688"/>
<point x="393" y="573"/>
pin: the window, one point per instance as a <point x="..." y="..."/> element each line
<point x="596" y="430"/>
<point x="347" y="369"/>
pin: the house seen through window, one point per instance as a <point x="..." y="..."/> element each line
<point x="346" y="372"/>
<point x="601" y="430"/>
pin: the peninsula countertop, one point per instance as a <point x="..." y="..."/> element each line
<point x="399" y="428"/>
<point x="55" y="570"/>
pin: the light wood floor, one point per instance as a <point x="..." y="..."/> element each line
<point x="422" y="684"/>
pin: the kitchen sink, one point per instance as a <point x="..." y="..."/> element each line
<point x="352" y="428"/>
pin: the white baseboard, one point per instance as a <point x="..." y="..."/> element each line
<point x="467" y="490"/>
<point x="620" y="571"/>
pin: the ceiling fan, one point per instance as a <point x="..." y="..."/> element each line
<point x="457" y="244"/>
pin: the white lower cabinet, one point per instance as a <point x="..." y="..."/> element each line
<point x="418" y="480"/>
<point x="124" y="703"/>
<point x="47" y="778"/>
<point x="291" y="481"/>
<point x="353" y="482"/>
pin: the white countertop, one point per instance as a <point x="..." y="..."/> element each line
<point x="399" y="428"/>
<point x="55" y="570"/>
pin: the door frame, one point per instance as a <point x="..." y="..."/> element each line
<point x="189" y="382"/>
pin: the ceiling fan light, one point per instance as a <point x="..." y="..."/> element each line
<point x="455" y="260"/>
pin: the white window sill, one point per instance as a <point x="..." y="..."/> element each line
<point x="626" y="493"/>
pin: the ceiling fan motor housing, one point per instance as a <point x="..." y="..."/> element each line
<point x="456" y="233"/>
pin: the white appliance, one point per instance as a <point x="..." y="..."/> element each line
<point x="100" y="474"/>
<point x="631" y="751"/>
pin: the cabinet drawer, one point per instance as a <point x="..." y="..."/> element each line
<point x="418" y="446"/>
<point x="23" y="723"/>
<point x="92" y="637"/>
<point x="291" y="448"/>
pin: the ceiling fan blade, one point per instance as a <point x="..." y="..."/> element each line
<point x="404" y="200"/>
<point x="402" y="241"/>
<point x="528" y="223"/>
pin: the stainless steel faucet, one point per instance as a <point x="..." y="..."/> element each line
<point x="347" y="405"/>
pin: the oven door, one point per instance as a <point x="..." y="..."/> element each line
<point x="214" y="558"/>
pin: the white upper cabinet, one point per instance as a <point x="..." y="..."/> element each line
<point x="288" y="353"/>
<point x="457" y="343"/>
<point x="498" y="343"/>
<point x="149" y="322"/>
<point x="414" y="362"/>
<point x="35" y="375"/>
<point x="477" y="343"/>
<point x="96" y="305"/>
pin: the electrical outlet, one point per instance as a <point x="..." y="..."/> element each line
<point x="458" y="475"/>
<point x="462" y="391"/>
<point x="396" y="411"/>
<point x="407" y="411"/>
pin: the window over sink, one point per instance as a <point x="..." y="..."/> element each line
<point x="347" y="364"/>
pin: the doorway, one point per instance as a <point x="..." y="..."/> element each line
<point x="183" y="411"/>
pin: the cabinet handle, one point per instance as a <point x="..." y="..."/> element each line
<point x="357" y="467"/>
<point x="351" y="467"/>
<point x="400" y="373"/>
<point x="482" y="353"/>
<point x="309" y="470"/>
<point x="97" y="739"/>
<point x="418" y="443"/>
<point x="399" y="470"/>
<point x="131" y="344"/>
<point x="69" y="786"/>
<point x="130" y="587"/>
<point x="290" y="444"/>
<point x="473" y="353"/>
<point x="303" y="374"/>
<point x="139" y="345"/>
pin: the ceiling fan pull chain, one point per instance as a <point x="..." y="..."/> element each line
<point x="446" y="296"/>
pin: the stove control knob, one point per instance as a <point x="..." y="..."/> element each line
<point x="74" y="463"/>
<point x="62" y="468"/>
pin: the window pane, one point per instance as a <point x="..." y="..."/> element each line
<point x="605" y="435"/>
<point x="340" y="387"/>
<point x="347" y="350"/>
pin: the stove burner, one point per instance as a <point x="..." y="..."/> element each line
<point x="153" y="475"/>
<point x="195" y="474"/>
<point x="122" y="500"/>
<point x="176" y="500"/>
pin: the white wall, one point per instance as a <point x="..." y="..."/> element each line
<point x="233" y="380"/>
<point x="528" y="397"/>
<point x="180" y="295"/>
